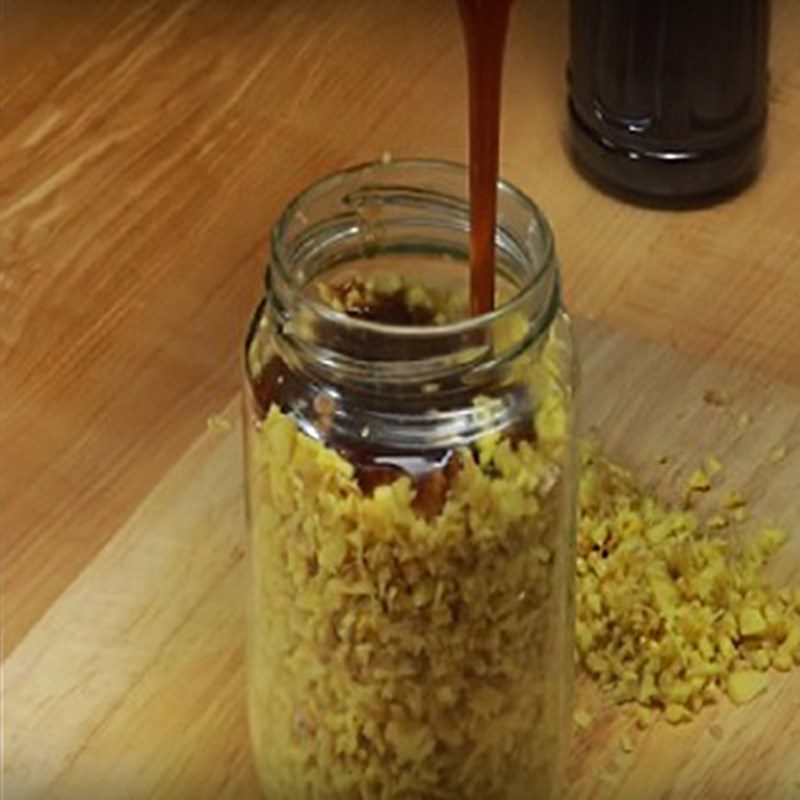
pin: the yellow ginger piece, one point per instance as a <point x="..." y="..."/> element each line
<point x="644" y="717"/>
<point x="582" y="719"/>
<point x="734" y="499"/>
<point x="739" y="514"/>
<point x="752" y="622"/>
<point x="699" y="481"/>
<point x="675" y="714"/>
<point x="769" y="540"/>
<point x="746" y="684"/>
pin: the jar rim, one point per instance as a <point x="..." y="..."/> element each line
<point x="280" y="260"/>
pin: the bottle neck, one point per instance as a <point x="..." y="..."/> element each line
<point x="403" y="213"/>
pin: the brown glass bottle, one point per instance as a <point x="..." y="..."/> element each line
<point x="668" y="98"/>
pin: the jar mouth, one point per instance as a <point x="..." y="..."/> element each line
<point x="393" y="174"/>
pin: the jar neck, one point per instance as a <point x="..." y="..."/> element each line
<point x="403" y="211"/>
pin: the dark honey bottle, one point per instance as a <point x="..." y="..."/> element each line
<point x="668" y="98"/>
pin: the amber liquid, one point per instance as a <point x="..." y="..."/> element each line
<point x="431" y="470"/>
<point x="485" y="23"/>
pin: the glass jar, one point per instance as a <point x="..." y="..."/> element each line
<point x="410" y="483"/>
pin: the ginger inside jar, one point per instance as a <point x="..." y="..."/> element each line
<point x="410" y="493"/>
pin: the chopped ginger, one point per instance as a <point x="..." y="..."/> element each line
<point x="675" y="614"/>
<point x="734" y="499"/>
<point x="699" y="482"/>
<point x="739" y="514"/>
<point x="675" y="714"/>
<point x="644" y="716"/>
<point x="745" y="684"/>
<point x="407" y="637"/>
<point x="752" y="622"/>
<point x="582" y="719"/>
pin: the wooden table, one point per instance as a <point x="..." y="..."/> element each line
<point x="147" y="149"/>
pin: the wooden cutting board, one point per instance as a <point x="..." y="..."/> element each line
<point x="131" y="686"/>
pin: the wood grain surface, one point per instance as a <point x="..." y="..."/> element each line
<point x="132" y="684"/>
<point x="148" y="146"/>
